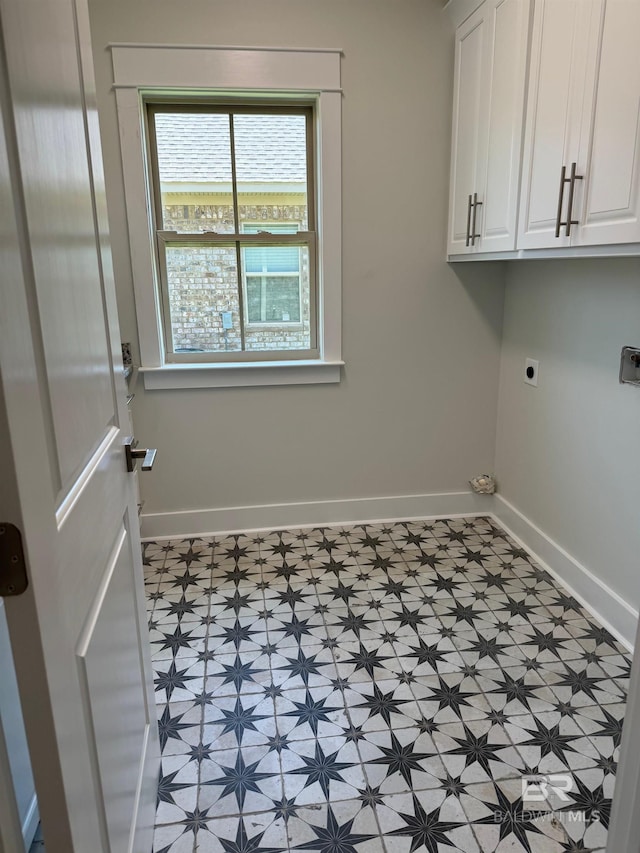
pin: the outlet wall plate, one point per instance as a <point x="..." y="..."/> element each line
<point x="531" y="367"/>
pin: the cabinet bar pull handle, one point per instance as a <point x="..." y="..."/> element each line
<point x="476" y="205"/>
<point x="469" y="222"/>
<point x="563" y="181"/>
<point x="572" y="184"/>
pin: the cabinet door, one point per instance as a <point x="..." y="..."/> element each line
<point x="469" y="121"/>
<point x="608" y="205"/>
<point x="564" y="49"/>
<point x="507" y="24"/>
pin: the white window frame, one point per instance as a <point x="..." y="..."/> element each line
<point x="145" y="70"/>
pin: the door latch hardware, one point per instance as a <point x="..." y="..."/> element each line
<point x="13" y="571"/>
<point x="148" y="455"/>
<point x="630" y="366"/>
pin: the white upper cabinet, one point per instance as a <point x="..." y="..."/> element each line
<point x="576" y="182"/>
<point x="490" y="67"/>
<point x="564" y="51"/>
<point x="609" y="211"/>
<point x="469" y="113"/>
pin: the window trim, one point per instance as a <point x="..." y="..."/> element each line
<point x="144" y="71"/>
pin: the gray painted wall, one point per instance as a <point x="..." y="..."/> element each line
<point x="415" y="412"/>
<point x="567" y="451"/>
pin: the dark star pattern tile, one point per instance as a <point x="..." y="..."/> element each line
<point x="376" y="688"/>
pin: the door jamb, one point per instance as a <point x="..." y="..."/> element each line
<point x="624" y="827"/>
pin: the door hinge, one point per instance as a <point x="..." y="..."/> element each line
<point x="13" y="571"/>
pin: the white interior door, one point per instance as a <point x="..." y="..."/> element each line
<point x="78" y="633"/>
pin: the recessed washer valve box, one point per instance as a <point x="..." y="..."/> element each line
<point x="630" y="366"/>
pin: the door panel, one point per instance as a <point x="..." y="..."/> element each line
<point x="611" y="209"/>
<point x="115" y="706"/>
<point x="508" y="24"/>
<point x="561" y="55"/>
<point x="468" y="112"/>
<point x="79" y="633"/>
<point x="53" y="149"/>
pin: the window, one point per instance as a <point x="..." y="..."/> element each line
<point x="234" y="287"/>
<point x="222" y="254"/>
<point x="273" y="292"/>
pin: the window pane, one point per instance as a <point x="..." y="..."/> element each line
<point x="203" y="298"/>
<point x="271" y="168"/>
<point x="273" y="299"/>
<point x="277" y="303"/>
<point x="194" y="166"/>
<point x="271" y="258"/>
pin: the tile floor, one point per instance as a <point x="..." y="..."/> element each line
<point x="377" y="689"/>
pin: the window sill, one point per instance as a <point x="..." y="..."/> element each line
<point x="240" y="374"/>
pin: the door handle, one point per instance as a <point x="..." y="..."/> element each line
<point x="476" y="205"/>
<point x="572" y="186"/>
<point x="571" y="180"/>
<point x="132" y="454"/>
<point x="563" y="181"/>
<point x="468" y="240"/>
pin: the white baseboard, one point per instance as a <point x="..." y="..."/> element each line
<point x="207" y="522"/>
<point x="609" y="608"/>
